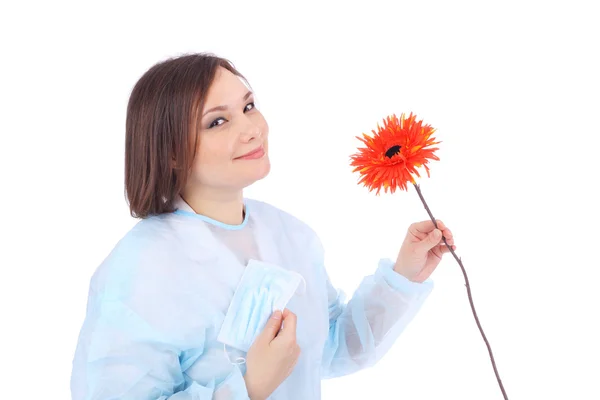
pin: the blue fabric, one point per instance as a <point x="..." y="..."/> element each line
<point x="263" y="289"/>
<point x="158" y="301"/>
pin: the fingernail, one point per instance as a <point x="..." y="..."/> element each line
<point x="277" y="314"/>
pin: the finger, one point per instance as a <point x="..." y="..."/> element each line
<point x="289" y="325"/>
<point x="425" y="227"/>
<point x="444" y="249"/>
<point x="449" y="238"/>
<point x="272" y="327"/>
<point x="444" y="228"/>
<point x="430" y="241"/>
<point x="447" y="233"/>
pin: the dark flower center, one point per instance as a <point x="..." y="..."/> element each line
<point x="392" y="151"/>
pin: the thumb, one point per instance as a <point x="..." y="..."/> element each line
<point x="272" y="327"/>
<point x="432" y="239"/>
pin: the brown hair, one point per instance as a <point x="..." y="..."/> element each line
<point x="162" y="111"/>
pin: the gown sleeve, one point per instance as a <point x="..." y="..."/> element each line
<point x="363" y="329"/>
<point x="123" y="355"/>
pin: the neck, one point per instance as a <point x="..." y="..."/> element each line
<point x="225" y="207"/>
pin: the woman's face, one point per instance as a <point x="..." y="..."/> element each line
<point x="230" y="127"/>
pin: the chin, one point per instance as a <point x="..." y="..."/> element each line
<point x="263" y="169"/>
<point x="256" y="173"/>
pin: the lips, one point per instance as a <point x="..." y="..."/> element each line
<point x="254" y="152"/>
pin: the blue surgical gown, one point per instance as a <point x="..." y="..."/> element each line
<point x="157" y="302"/>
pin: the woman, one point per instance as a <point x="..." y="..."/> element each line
<point x="182" y="308"/>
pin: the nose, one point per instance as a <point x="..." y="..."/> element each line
<point x="250" y="131"/>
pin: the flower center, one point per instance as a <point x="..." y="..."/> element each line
<point x="392" y="151"/>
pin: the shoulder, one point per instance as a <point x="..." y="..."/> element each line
<point x="141" y="252"/>
<point x="144" y="281"/>
<point x="149" y="237"/>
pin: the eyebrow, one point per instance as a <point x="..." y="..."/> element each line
<point x="223" y="108"/>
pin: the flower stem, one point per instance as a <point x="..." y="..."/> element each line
<point x="468" y="292"/>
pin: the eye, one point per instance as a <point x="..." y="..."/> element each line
<point x="249" y="107"/>
<point x="216" y="122"/>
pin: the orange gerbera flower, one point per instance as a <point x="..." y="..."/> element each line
<point x="390" y="160"/>
<point x="393" y="154"/>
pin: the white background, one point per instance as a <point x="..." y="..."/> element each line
<point x="512" y="88"/>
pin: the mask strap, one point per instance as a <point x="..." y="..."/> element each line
<point x="238" y="361"/>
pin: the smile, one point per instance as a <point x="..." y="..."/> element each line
<point x="253" y="155"/>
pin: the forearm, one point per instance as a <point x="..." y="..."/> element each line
<point x="368" y="325"/>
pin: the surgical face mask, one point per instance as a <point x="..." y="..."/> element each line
<point x="262" y="289"/>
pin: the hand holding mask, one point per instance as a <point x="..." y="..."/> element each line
<point x="273" y="355"/>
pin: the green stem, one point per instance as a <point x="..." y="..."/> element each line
<point x="468" y="292"/>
